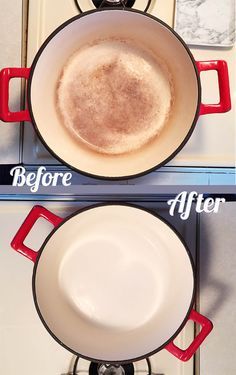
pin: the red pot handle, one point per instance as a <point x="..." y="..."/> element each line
<point x="223" y="79"/>
<point x="5" y="76"/>
<point x="18" y="241"/>
<point x="185" y="355"/>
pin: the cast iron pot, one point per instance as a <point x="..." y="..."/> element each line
<point x="113" y="283"/>
<point x="106" y="23"/>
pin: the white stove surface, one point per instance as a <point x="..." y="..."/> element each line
<point x="213" y="141"/>
<point x="25" y="346"/>
<point x="10" y="55"/>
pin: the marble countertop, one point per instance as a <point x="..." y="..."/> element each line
<point x="206" y="22"/>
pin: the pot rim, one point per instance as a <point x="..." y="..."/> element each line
<point x="77" y="212"/>
<point x="125" y="177"/>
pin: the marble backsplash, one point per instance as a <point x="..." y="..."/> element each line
<point x="206" y="22"/>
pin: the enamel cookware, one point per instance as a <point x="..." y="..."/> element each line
<point x="113" y="283"/>
<point x="144" y="29"/>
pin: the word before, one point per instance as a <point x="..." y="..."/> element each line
<point x="41" y="177"/>
<point x="185" y="201"/>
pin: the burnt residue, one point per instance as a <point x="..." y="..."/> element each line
<point x="113" y="105"/>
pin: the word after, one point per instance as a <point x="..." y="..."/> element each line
<point x="183" y="204"/>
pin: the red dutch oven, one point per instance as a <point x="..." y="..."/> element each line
<point x="143" y="29"/>
<point x="113" y="283"/>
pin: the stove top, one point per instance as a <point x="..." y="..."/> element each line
<point x="208" y="157"/>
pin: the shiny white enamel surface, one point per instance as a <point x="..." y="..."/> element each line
<point x="102" y="25"/>
<point x="114" y="283"/>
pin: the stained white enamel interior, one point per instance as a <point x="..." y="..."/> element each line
<point x="110" y="23"/>
<point x="114" y="283"/>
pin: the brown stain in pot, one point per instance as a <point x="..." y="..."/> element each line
<point x="109" y="103"/>
<point x="121" y="104"/>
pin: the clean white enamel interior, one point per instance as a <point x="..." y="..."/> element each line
<point x="114" y="283"/>
<point x="106" y="24"/>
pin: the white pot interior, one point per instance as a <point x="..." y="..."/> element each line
<point x="114" y="283"/>
<point x="107" y="24"/>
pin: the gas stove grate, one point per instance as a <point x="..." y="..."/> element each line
<point x="114" y="3"/>
<point x="94" y="368"/>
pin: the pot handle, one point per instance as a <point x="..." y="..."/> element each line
<point x="223" y="79"/>
<point x="5" y="76"/>
<point x="185" y="355"/>
<point x="18" y="241"/>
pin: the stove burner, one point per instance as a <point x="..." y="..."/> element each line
<point x="114" y="3"/>
<point x="106" y="369"/>
<point x="86" y="5"/>
<point x="111" y="369"/>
